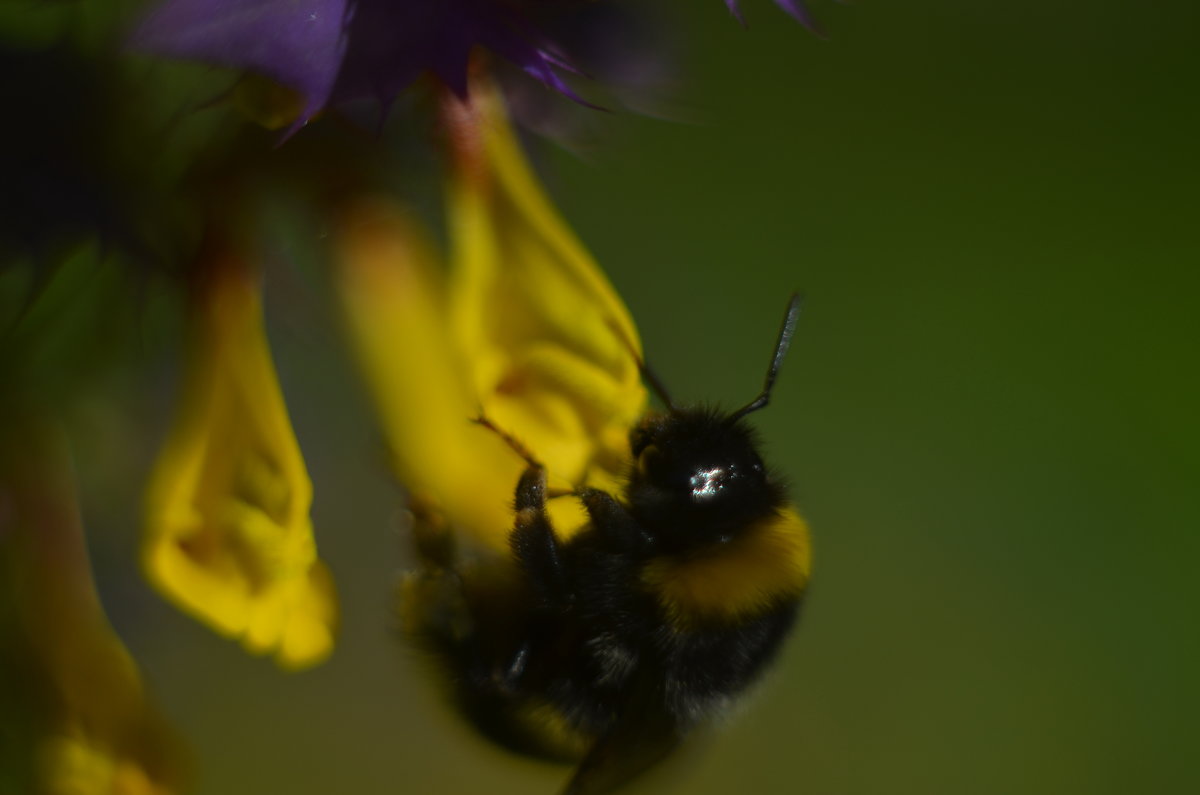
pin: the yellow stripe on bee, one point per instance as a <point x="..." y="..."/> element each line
<point x="767" y="563"/>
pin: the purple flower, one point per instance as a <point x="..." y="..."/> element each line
<point x="336" y="50"/>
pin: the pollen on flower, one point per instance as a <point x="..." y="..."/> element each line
<point x="228" y="535"/>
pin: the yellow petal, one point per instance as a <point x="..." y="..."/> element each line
<point x="549" y="346"/>
<point x="523" y="327"/>
<point x="228" y="536"/>
<point x="394" y="300"/>
<point x="74" y="711"/>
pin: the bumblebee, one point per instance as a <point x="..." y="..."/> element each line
<point x="609" y="646"/>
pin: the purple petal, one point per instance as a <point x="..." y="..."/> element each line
<point x="797" y="11"/>
<point x="300" y="43"/>
<point x="392" y="42"/>
<point x="338" y="50"/>
<point x="736" y="10"/>
<point x="794" y="8"/>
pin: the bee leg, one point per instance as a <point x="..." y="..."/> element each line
<point x="534" y="543"/>
<point x="613" y="521"/>
<point x="430" y="602"/>
<point x="513" y="442"/>
<point x="433" y="541"/>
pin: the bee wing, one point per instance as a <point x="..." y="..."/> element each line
<point x="644" y="735"/>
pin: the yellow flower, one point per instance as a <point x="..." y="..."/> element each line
<point x="75" y="720"/>
<point x="228" y="536"/>
<point x="523" y="327"/>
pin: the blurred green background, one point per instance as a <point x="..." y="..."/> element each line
<point x="989" y="416"/>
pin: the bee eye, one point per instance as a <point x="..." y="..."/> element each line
<point x="647" y="460"/>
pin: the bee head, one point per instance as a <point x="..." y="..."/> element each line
<point x="697" y="477"/>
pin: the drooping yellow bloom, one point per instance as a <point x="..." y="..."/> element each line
<point x="523" y="327"/>
<point x="228" y="535"/>
<point x="75" y="719"/>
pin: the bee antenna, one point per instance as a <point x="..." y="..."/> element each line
<point x="656" y="385"/>
<point x="781" y="349"/>
<point x="648" y="375"/>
